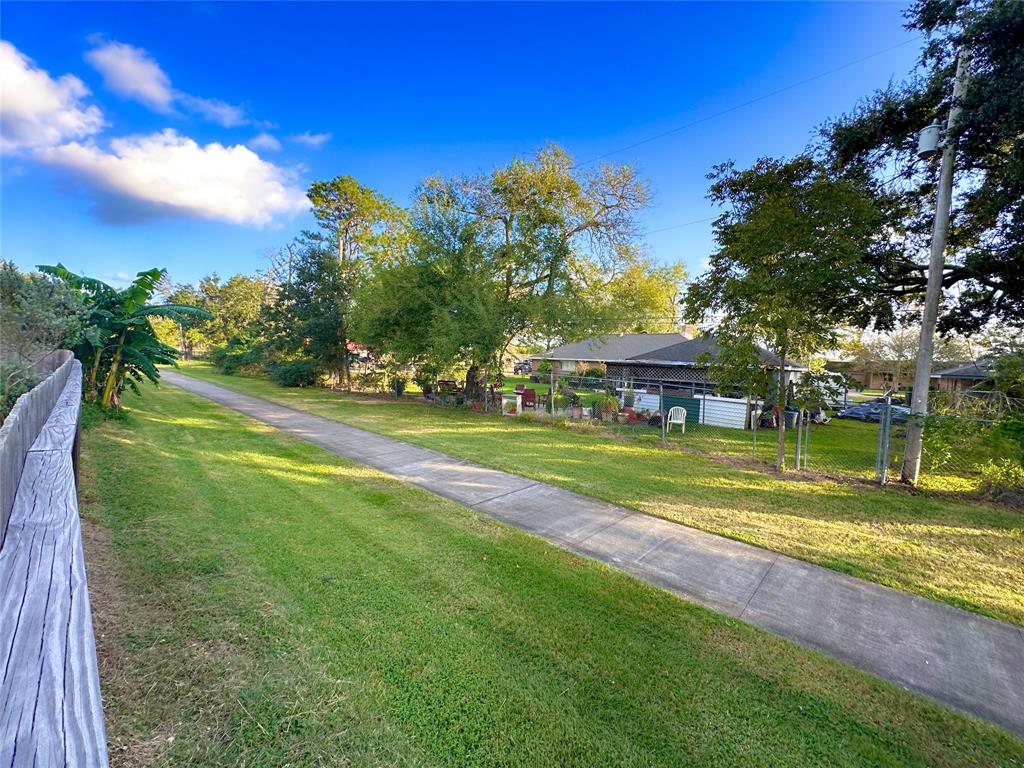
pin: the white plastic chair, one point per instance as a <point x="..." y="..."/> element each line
<point x="676" y="415"/>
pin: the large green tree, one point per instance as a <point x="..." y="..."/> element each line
<point x="311" y="315"/>
<point x="791" y="264"/>
<point x="364" y="229"/>
<point x="528" y="251"/>
<point x="984" y="271"/>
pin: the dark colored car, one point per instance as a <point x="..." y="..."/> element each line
<point x="522" y="367"/>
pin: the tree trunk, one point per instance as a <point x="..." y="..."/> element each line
<point x="475" y="383"/>
<point x="345" y="371"/>
<point x="115" y="364"/>
<point x="94" y="370"/>
<point x="780" y="406"/>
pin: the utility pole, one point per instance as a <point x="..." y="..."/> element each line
<point x="933" y="294"/>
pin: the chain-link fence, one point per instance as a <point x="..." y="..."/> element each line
<point x="965" y="435"/>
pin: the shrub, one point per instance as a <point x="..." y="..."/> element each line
<point x="606" y="405"/>
<point x="295" y="373"/>
<point x="14" y="382"/>
<point x="398" y="385"/>
<point x="369" y="381"/>
<point x="544" y="367"/>
<point x="240" y="355"/>
<point x="1003" y="481"/>
<point x="424" y="378"/>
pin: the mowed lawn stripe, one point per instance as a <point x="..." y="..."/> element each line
<point x="285" y="606"/>
<point x="967" y="554"/>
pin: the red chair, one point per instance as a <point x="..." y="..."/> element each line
<point x="520" y="388"/>
<point x="529" y="398"/>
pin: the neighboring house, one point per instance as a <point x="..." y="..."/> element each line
<point x="647" y="359"/>
<point x="872" y="377"/>
<point x="961" y="377"/>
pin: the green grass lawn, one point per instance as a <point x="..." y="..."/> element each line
<point x="261" y="602"/>
<point x="843" y="447"/>
<point x="964" y="553"/>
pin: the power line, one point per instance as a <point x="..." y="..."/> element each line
<point x="677" y="226"/>
<point x="747" y="103"/>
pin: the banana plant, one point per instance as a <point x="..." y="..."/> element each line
<point x="118" y="346"/>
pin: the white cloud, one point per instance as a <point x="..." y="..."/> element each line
<point x="264" y="141"/>
<point x="314" y="140"/>
<point x="38" y="111"/>
<point x="132" y="73"/>
<point x="166" y="174"/>
<point x="214" y="110"/>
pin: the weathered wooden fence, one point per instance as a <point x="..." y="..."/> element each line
<point x="23" y="423"/>
<point x="50" y="708"/>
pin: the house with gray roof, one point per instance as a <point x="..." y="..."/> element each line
<point x="647" y="359"/>
<point x="961" y="377"/>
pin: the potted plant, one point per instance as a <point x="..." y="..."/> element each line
<point x="398" y="383"/>
<point x="607" y="406"/>
<point x="424" y="379"/>
<point x="628" y="398"/>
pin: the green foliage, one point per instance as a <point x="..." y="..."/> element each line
<point x="425" y="377"/>
<point x="544" y="367"/>
<point x="310" y="318"/>
<point x="92" y="415"/>
<point x="118" y="346"/>
<point x="524" y="252"/>
<point x="790" y="267"/>
<point x="361" y="220"/>
<point x="986" y="242"/>
<point x="242" y="354"/>
<point x="38" y="314"/>
<point x="1004" y="481"/>
<point x="361" y="230"/>
<point x="14" y="382"/>
<point x="295" y="373"/>
<point x="1008" y="375"/>
<point x="606" y="405"/>
<point x="818" y="387"/>
<point x="398" y="383"/>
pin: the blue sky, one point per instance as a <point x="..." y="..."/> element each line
<point x="132" y="140"/>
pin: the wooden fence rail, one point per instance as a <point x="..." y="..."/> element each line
<point x="23" y="423"/>
<point x="51" y="713"/>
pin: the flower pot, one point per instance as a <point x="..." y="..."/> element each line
<point x="575" y="411"/>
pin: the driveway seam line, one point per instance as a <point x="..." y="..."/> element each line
<point x="759" y="584"/>
<point x="475" y="504"/>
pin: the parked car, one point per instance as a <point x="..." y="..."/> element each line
<point x="522" y="367"/>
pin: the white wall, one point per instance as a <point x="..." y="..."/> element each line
<point x="724" y="412"/>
